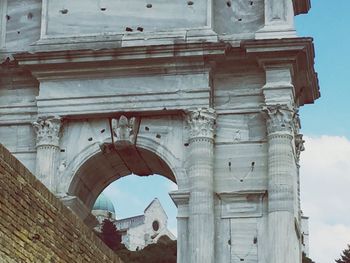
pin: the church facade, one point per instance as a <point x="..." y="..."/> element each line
<point x="137" y="231"/>
<point x="204" y="93"/>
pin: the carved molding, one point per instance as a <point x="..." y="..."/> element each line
<point x="245" y="204"/>
<point x="48" y="131"/>
<point x="202" y="123"/>
<point x="125" y="130"/>
<point x="279" y="118"/>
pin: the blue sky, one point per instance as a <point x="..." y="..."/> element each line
<point x="325" y="164"/>
<point x="328" y="22"/>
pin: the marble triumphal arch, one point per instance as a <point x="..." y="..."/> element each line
<point x="205" y="93"/>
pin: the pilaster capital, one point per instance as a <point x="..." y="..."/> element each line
<point x="48" y="130"/>
<point x="279" y="118"/>
<point x="202" y="123"/>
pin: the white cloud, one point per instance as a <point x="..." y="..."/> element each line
<point x="325" y="182"/>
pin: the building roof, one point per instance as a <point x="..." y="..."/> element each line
<point x="104" y="204"/>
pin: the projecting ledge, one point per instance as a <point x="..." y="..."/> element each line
<point x="301" y="6"/>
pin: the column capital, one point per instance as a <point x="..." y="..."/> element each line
<point x="202" y="123"/>
<point x="48" y="130"/>
<point x="280" y="118"/>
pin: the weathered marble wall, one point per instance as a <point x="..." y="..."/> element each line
<point x="23" y="23"/>
<point x="67" y="18"/>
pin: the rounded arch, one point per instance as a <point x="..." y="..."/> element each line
<point x="97" y="166"/>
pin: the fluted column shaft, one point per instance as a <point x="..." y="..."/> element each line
<point x="283" y="242"/>
<point x="200" y="170"/>
<point x="47" y="145"/>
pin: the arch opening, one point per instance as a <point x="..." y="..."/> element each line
<point x="111" y="164"/>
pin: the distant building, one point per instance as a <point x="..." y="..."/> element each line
<point x="137" y="231"/>
<point x="305" y="234"/>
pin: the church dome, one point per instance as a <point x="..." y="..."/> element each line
<point x="104" y="204"/>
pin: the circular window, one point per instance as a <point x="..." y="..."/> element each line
<point x="155" y="225"/>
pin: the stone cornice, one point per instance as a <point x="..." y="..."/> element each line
<point x="301" y="6"/>
<point x="178" y="59"/>
<point x="296" y="52"/>
<point x="163" y="59"/>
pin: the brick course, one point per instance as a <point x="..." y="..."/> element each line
<point x="36" y="227"/>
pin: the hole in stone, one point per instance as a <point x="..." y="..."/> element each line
<point x="241" y="180"/>
<point x="255" y="240"/>
<point x="158" y="136"/>
<point x="63" y="150"/>
<point x="140" y="29"/>
<point x="229" y="164"/>
<point x="228" y="3"/>
<point x="146" y="128"/>
<point x="64" y="11"/>
<point x="251" y="3"/>
<point x="30" y="15"/>
<point x="253" y="163"/>
<point x="103" y="9"/>
<point x="239" y="19"/>
<point x="103" y="130"/>
<point x="186" y="144"/>
<point x="229" y="242"/>
<point x="18" y="32"/>
<point x="90" y="139"/>
<point x="8" y="17"/>
<point x="149" y="5"/>
<point x="190" y="3"/>
<point x="128" y="29"/>
<point x="242" y="259"/>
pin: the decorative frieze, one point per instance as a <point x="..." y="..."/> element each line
<point x="48" y="131"/>
<point x="202" y="123"/>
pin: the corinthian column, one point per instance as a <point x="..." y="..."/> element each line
<point x="47" y="145"/>
<point x="200" y="170"/>
<point x="282" y="208"/>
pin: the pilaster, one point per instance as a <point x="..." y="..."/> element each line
<point x="200" y="171"/>
<point x="47" y="145"/>
<point x="279" y="20"/>
<point x="181" y="200"/>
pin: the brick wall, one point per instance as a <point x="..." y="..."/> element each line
<point x="36" y="227"/>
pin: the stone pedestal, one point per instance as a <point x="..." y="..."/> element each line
<point x="279" y="20"/>
<point x="200" y="171"/>
<point x="47" y="145"/>
<point x="283" y="243"/>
